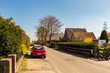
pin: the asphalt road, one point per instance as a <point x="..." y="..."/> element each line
<point x="69" y="63"/>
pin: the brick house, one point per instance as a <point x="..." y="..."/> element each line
<point x="77" y="34"/>
<point x="55" y="37"/>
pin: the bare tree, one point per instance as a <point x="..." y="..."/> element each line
<point x="51" y="24"/>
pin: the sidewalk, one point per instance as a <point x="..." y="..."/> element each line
<point x="36" y="65"/>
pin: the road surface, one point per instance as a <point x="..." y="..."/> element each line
<point x="68" y="63"/>
<point x="62" y="62"/>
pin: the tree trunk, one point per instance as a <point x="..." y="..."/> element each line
<point x="50" y="38"/>
<point x="46" y="38"/>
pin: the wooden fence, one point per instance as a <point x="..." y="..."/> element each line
<point x="85" y="51"/>
<point x="103" y="54"/>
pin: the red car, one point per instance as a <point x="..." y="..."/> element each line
<point x="38" y="50"/>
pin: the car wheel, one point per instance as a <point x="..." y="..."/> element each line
<point x="43" y="56"/>
<point x="31" y="56"/>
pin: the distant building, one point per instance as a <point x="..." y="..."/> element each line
<point x="77" y="34"/>
<point x="55" y="37"/>
<point x="47" y="38"/>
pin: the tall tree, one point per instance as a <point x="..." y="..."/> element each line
<point x="51" y="24"/>
<point x="104" y="36"/>
<point x="41" y="33"/>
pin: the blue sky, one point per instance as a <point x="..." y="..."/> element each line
<point x="89" y="14"/>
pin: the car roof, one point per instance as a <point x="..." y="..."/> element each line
<point x="38" y="46"/>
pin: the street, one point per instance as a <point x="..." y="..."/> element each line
<point x="55" y="36"/>
<point x="62" y="62"/>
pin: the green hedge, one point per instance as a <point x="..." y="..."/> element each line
<point x="2" y="57"/>
<point x="77" y="47"/>
<point x="74" y="44"/>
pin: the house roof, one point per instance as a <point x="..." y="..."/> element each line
<point x="84" y="35"/>
<point x="77" y="33"/>
<point x="91" y="34"/>
<point x="69" y="31"/>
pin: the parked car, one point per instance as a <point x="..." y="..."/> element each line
<point x="38" y="51"/>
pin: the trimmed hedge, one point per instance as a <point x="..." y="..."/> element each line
<point x="75" y="45"/>
<point x="88" y="49"/>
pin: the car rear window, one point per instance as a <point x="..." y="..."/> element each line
<point x="39" y="48"/>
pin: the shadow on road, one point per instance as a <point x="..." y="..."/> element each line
<point x="75" y="54"/>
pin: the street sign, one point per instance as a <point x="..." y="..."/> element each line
<point x="101" y="43"/>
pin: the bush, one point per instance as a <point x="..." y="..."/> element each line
<point x="11" y="38"/>
<point x="89" y="49"/>
<point x="75" y="45"/>
<point x="23" y="48"/>
<point x="40" y="42"/>
<point x="88" y="40"/>
<point x="2" y="57"/>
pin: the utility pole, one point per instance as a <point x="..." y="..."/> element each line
<point x="105" y="26"/>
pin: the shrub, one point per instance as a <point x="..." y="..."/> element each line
<point x="79" y="47"/>
<point x="75" y="45"/>
<point x="23" y="48"/>
<point x="2" y="57"/>
<point x="40" y="42"/>
<point x="88" y="40"/>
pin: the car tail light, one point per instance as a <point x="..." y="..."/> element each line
<point x="44" y="52"/>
